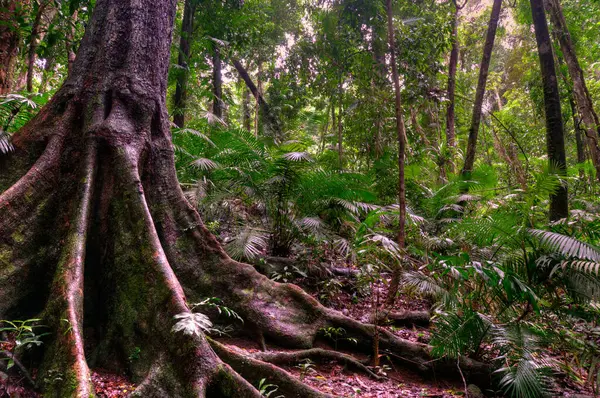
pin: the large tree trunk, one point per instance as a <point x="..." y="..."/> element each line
<point x="480" y="91"/>
<point x="127" y="251"/>
<point x="585" y="107"/>
<point x="187" y="29"/>
<point x="217" y="83"/>
<point x="401" y="136"/>
<point x="9" y="45"/>
<point x="555" y="140"/>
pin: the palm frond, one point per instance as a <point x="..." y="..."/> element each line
<point x="205" y="164"/>
<point x="249" y="244"/>
<point x="567" y="245"/>
<point x="5" y="144"/>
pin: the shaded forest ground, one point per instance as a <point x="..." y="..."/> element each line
<point x="329" y="376"/>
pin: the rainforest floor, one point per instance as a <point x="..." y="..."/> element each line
<point x="330" y="377"/>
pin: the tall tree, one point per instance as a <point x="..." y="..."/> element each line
<point x="217" y="82"/>
<point x="555" y="140"/>
<point x="480" y="91"/>
<point x="401" y="137"/>
<point x="187" y="29"/>
<point x="97" y="166"/>
<point x="452" y="67"/>
<point x="589" y="119"/>
<point x="272" y="122"/>
<point x="39" y="7"/>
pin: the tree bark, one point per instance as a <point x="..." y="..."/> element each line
<point x="555" y="140"/>
<point x="187" y="30"/>
<point x="480" y="91"/>
<point x="401" y="136"/>
<point x="217" y="83"/>
<point x="9" y="45"/>
<point x="583" y="100"/>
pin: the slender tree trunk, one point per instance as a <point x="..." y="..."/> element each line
<point x="452" y="66"/>
<point x="70" y="38"/>
<point x="401" y="136"/>
<point x="583" y="100"/>
<point x="559" y="203"/>
<point x="340" y="128"/>
<point x="480" y="92"/>
<point x="33" y="43"/>
<point x="262" y="105"/>
<point x="259" y="90"/>
<point x="217" y="83"/>
<point x="580" y="145"/>
<point x="187" y="29"/>
<point x="9" y="45"/>
<point x="246" y="108"/>
<point x="378" y="83"/>
<point x="324" y="131"/>
<point x="48" y="70"/>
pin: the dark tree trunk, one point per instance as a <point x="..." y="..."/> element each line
<point x="9" y="45"/>
<point x="452" y="66"/>
<point x="555" y="140"/>
<point x="187" y="29"/>
<point x="127" y="251"/>
<point x="262" y="105"/>
<point x="217" y="83"/>
<point x="480" y="91"/>
<point x="583" y="100"/>
<point x="401" y="136"/>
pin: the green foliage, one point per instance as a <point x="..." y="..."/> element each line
<point x="26" y="335"/>
<point x="266" y="390"/>
<point x="336" y="335"/>
<point x="306" y="367"/>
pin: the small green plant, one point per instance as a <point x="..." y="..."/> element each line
<point x="336" y="335"/>
<point x="266" y="390"/>
<point x="288" y="274"/>
<point x="329" y="289"/>
<point x="135" y="354"/>
<point x="25" y="334"/>
<point x="192" y="324"/>
<point x="382" y="370"/>
<point x="54" y="377"/>
<point x="306" y="366"/>
<point x="213" y="227"/>
<point x="215" y="302"/>
<point x="69" y="327"/>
